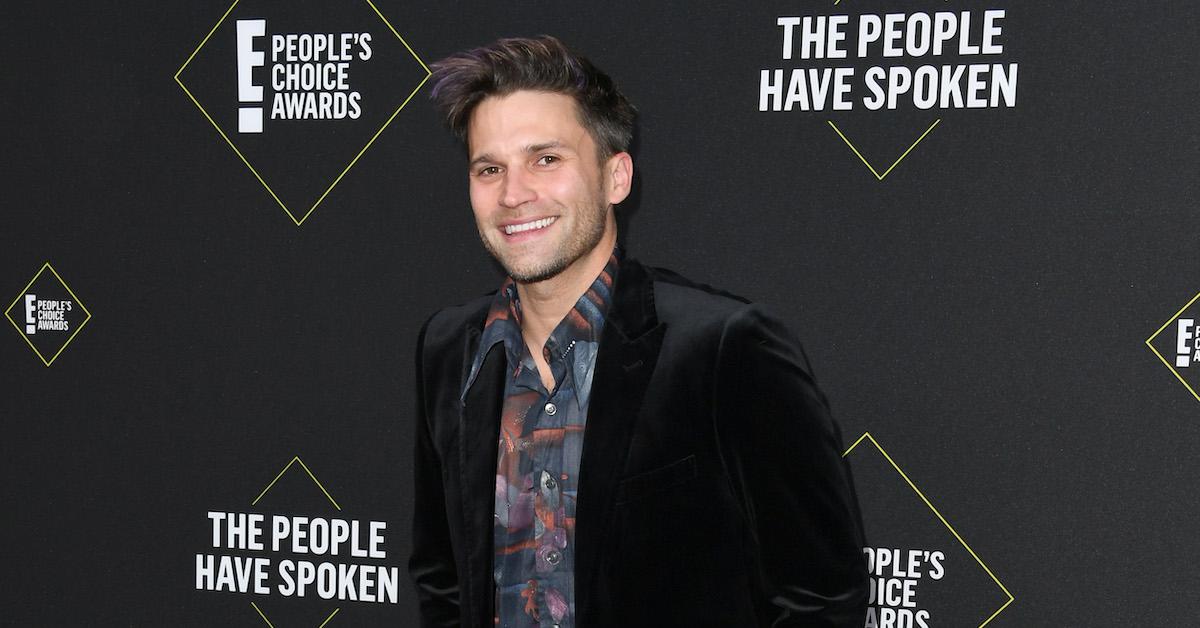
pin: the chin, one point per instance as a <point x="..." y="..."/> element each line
<point x="535" y="273"/>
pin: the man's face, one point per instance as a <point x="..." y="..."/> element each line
<point x="537" y="189"/>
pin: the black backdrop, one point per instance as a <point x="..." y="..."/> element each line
<point x="982" y="311"/>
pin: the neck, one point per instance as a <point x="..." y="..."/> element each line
<point x="545" y="303"/>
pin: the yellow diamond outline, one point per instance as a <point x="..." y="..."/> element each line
<point x="913" y="486"/>
<point x="8" y="315"/>
<point x="300" y="221"/>
<point x="875" y="172"/>
<point x="264" y="616"/>
<point x="313" y="477"/>
<point x="1173" y="370"/>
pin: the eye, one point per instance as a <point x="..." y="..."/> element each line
<point x="487" y="171"/>
<point x="547" y="160"/>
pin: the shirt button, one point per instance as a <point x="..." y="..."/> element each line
<point x="553" y="557"/>
<point x="551" y="409"/>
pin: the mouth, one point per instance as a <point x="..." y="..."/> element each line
<point x="532" y="225"/>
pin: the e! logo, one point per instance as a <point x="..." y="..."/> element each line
<point x="250" y="119"/>
<point x="1187" y="332"/>
<point x="31" y="314"/>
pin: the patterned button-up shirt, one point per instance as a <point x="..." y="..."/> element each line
<point x="541" y="439"/>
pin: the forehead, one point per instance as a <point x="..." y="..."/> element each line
<point x="524" y="118"/>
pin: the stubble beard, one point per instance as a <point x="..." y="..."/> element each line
<point x="586" y="237"/>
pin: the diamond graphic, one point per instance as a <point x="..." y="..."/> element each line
<point x="47" y="314"/>
<point x="1177" y="345"/>
<point x="294" y="463"/>
<point x="268" y="621"/>
<point x="937" y="84"/>
<point x="282" y="472"/>
<point x="922" y="571"/>
<point x="300" y="91"/>
<point x="880" y="175"/>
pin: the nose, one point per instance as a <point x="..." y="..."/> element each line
<point x="517" y="188"/>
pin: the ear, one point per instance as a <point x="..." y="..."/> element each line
<point x="618" y="177"/>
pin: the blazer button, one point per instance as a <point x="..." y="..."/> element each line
<point x="551" y="409"/>
<point x="553" y="557"/>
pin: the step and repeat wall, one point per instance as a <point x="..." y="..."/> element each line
<point x="225" y="223"/>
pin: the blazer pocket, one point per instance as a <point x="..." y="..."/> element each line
<point x="656" y="481"/>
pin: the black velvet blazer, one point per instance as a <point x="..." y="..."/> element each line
<point x="712" y="488"/>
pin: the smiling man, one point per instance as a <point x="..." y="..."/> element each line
<point x="601" y="443"/>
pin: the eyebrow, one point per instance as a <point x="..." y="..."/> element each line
<point x="537" y="148"/>
<point x="531" y="148"/>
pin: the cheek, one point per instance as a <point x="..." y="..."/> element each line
<point x="571" y="191"/>
<point x="479" y="204"/>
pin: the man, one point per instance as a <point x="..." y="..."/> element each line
<point x="599" y="443"/>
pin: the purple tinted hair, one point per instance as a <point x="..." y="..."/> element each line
<point x="541" y="63"/>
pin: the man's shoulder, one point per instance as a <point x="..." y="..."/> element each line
<point x="699" y="312"/>
<point x="451" y="322"/>
<point x="473" y="311"/>
<point x="678" y="298"/>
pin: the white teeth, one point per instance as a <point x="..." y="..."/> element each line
<point x="529" y="226"/>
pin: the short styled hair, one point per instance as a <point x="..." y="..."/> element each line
<point x="461" y="81"/>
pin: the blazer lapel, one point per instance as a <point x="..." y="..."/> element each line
<point x="629" y="348"/>
<point x="479" y="431"/>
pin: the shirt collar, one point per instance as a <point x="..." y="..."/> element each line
<point x="575" y="338"/>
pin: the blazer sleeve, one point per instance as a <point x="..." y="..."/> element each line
<point x="783" y="452"/>
<point x="431" y="564"/>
